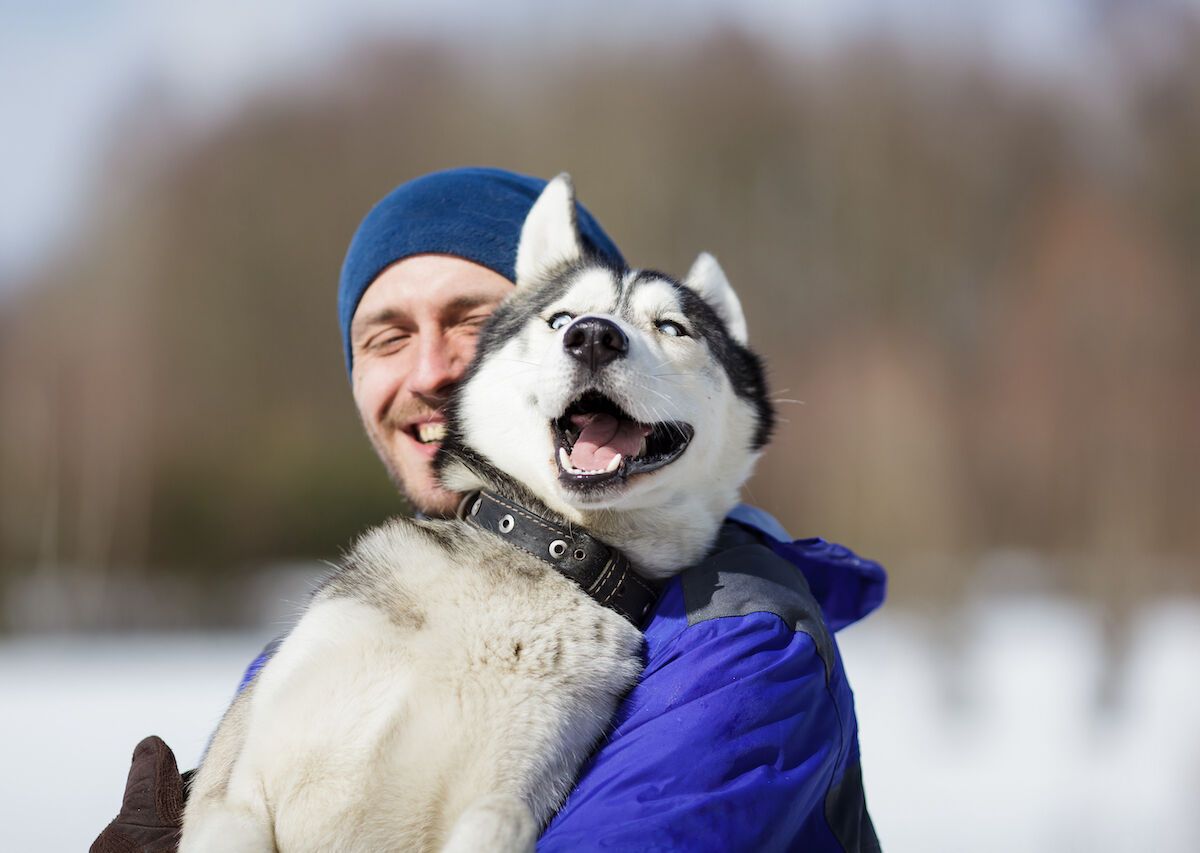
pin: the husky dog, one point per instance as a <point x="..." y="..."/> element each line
<point x="444" y="687"/>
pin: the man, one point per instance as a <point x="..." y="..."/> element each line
<point x="741" y="734"/>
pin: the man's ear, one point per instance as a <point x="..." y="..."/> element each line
<point x="550" y="235"/>
<point x="708" y="279"/>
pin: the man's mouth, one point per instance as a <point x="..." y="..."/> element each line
<point x="598" y="442"/>
<point x="428" y="432"/>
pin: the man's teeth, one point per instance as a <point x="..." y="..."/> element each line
<point x="565" y="461"/>
<point x="428" y="433"/>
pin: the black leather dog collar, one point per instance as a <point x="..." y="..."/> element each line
<point x="602" y="572"/>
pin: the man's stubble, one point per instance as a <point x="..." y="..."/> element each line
<point x="427" y="497"/>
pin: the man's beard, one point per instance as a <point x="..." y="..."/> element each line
<point x="383" y="442"/>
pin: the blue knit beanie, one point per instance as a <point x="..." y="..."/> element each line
<point x="473" y="213"/>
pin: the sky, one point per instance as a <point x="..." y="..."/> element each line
<point x="67" y="66"/>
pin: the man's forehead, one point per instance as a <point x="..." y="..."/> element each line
<point x="429" y="285"/>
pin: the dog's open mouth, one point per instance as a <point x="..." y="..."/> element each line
<point x="598" y="442"/>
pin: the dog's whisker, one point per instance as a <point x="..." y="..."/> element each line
<point x="644" y="387"/>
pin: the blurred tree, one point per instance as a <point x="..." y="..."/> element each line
<point x="988" y="316"/>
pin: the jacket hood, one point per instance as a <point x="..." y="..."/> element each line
<point x="847" y="587"/>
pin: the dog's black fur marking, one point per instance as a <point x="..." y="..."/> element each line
<point x="743" y="367"/>
<point x="530" y="301"/>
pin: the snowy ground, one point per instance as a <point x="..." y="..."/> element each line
<point x="994" y="741"/>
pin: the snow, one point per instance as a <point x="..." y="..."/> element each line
<point x="984" y="733"/>
<point x="1020" y="754"/>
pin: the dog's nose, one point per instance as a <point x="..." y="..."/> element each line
<point x="595" y="341"/>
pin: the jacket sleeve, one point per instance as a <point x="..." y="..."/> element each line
<point x="733" y="742"/>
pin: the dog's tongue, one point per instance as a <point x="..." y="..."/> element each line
<point x="602" y="437"/>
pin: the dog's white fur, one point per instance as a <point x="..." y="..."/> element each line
<point x="662" y="379"/>
<point x="442" y="691"/>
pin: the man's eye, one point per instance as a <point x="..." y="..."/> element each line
<point x="386" y="341"/>
<point x="559" y="320"/>
<point x="671" y="329"/>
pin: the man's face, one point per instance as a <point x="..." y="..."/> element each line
<point x="412" y="337"/>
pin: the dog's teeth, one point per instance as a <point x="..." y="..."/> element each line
<point x="564" y="460"/>
<point x="642" y="447"/>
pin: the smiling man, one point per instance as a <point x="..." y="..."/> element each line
<point x="425" y="270"/>
<point x="741" y="734"/>
<point x="412" y="336"/>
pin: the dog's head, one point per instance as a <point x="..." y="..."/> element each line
<point x="623" y="400"/>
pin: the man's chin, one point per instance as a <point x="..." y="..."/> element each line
<point x="414" y="478"/>
<point x="427" y="495"/>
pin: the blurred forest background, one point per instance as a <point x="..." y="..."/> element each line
<point x="967" y="235"/>
<point x="982" y="286"/>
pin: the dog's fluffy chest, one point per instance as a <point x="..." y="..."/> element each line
<point x="440" y="663"/>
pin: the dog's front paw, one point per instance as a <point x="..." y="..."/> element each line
<point x="499" y="822"/>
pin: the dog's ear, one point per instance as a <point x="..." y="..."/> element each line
<point x="708" y="279"/>
<point x="550" y="235"/>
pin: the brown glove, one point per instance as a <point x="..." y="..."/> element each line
<point x="152" y="812"/>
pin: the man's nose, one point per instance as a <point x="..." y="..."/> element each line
<point x="595" y="341"/>
<point x="439" y="365"/>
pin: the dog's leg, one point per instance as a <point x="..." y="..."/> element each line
<point x="231" y="829"/>
<point x="218" y="816"/>
<point x="497" y="822"/>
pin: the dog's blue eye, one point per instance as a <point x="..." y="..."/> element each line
<point x="559" y="320"/>
<point x="671" y="328"/>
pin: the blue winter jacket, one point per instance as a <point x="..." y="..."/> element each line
<point x="740" y="734"/>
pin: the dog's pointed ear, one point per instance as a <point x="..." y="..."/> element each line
<point x="708" y="279"/>
<point x="550" y="235"/>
